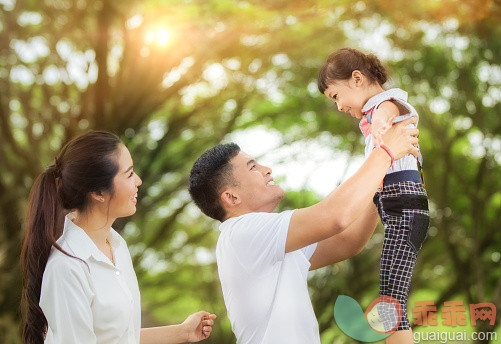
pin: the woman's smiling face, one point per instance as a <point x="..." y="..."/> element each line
<point x="125" y="184"/>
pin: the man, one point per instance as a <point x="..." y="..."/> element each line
<point x="263" y="258"/>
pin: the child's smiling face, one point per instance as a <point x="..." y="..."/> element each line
<point x="348" y="96"/>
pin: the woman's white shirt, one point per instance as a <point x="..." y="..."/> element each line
<point x="93" y="303"/>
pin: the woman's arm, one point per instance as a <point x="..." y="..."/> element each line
<point x="195" y="328"/>
<point x="65" y="300"/>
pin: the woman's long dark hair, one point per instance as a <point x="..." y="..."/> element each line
<point x="88" y="163"/>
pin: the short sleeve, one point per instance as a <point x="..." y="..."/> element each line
<point x="411" y="112"/>
<point x="66" y="300"/>
<point x="258" y="239"/>
<point x="309" y="250"/>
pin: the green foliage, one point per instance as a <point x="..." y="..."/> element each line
<point x="230" y="65"/>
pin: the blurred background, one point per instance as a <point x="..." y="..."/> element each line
<point x="173" y="78"/>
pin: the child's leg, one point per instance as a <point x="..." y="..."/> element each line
<point x="404" y="212"/>
<point x="400" y="271"/>
<point x="401" y="337"/>
<point x="386" y="265"/>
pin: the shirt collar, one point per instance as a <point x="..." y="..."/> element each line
<point x="230" y="220"/>
<point x="225" y="223"/>
<point x="82" y="245"/>
<point x="394" y="93"/>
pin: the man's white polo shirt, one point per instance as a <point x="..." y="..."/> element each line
<point x="95" y="302"/>
<point x="265" y="289"/>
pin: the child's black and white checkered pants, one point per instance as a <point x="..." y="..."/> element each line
<point x="403" y="209"/>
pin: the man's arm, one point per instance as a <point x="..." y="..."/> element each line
<point x="342" y="207"/>
<point x="347" y="243"/>
<point x="382" y="120"/>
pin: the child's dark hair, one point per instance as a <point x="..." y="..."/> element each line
<point x="88" y="163"/>
<point x="210" y="173"/>
<point x="341" y="64"/>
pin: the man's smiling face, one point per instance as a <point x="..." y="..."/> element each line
<point x="254" y="184"/>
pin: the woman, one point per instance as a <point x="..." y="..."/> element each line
<point x="82" y="288"/>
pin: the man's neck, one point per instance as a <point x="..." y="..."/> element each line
<point x="236" y="213"/>
<point x="242" y="211"/>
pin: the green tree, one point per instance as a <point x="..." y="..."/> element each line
<point x="173" y="78"/>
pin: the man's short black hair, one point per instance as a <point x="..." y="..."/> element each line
<point x="209" y="175"/>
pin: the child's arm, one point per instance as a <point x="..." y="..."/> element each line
<point x="382" y="120"/>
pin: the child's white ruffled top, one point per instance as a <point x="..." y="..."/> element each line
<point x="408" y="162"/>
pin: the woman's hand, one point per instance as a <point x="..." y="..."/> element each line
<point x="198" y="326"/>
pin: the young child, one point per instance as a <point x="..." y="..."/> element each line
<point x="353" y="80"/>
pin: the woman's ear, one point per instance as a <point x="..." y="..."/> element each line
<point x="229" y="198"/>
<point x="357" y="77"/>
<point x="97" y="196"/>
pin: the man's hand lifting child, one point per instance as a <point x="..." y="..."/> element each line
<point x="382" y="120"/>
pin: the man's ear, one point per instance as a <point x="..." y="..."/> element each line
<point x="229" y="198"/>
<point x="357" y="77"/>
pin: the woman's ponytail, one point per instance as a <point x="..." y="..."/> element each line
<point x="88" y="163"/>
<point x="44" y="212"/>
